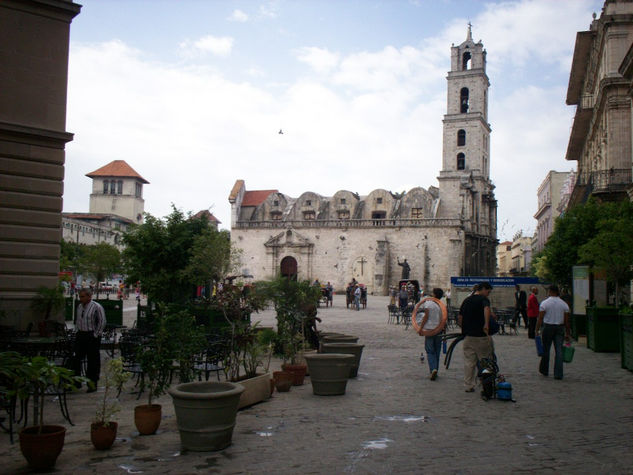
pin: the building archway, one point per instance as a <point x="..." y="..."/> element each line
<point x="288" y="267"/>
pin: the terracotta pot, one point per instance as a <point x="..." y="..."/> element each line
<point x="298" y="371"/>
<point x="102" y="436"/>
<point x="283" y="380"/>
<point x="41" y="450"/>
<point x="205" y="413"/>
<point x="147" y="418"/>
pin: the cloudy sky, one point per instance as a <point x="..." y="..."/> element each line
<point x="192" y="94"/>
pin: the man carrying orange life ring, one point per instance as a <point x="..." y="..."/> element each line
<point x="429" y="320"/>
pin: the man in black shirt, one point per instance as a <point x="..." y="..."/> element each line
<point x="474" y="318"/>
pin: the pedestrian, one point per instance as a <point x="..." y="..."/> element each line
<point x="403" y="300"/>
<point x="431" y="317"/>
<point x="520" y="305"/>
<point x="532" y="311"/>
<point x="392" y="295"/>
<point x="554" y="318"/>
<point x="448" y="297"/>
<point x="357" y="293"/>
<point x="90" y="323"/>
<point x="474" y="318"/>
<point x="329" y="293"/>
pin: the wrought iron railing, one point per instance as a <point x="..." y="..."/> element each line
<point x="613" y="179"/>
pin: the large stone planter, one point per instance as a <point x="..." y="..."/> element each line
<point x="603" y="329"/>
<point x="205" y="413"/>
<point x="340" y="339"/>
<point x="256" y="389"/>
<point x="346" y="348"/>
<point x="329" y="372"/>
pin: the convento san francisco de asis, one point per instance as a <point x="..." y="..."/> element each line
<point x="448" y="230"/>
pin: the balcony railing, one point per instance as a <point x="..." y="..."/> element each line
<point x="352" y="223"/>
<point x="615" y="179"/>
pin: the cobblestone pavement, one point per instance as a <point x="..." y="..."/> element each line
<point x="392" y="419"/>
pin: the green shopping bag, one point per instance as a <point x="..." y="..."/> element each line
<point x="568" y="352"/>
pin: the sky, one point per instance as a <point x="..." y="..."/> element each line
<point x="192" y="95"/>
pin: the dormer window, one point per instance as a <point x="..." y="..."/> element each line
<point x="417" y="213"/>
<point x="275" y="216"/>
<point x="309" y="215"/>
<point x="342" y="201"/>
<point x="276" y="203"/>
<point x="378" y="215"/>
<point x="308" y="202"/>
<point x="343" y="214"/>
<point x="379" y="201"/>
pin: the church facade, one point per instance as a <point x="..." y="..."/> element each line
<point x="445" y="231"/>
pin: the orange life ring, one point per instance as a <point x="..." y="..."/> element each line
<point x="438" y="328"/>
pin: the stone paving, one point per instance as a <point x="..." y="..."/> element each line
<point x="392" y="418"/>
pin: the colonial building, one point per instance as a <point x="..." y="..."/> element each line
<point x="551" y="193"/>
<point x="599" y="87"/>
<point x="504" y="259"/>
<point x="441" y="232"/>
<point x="33" y="81"/>
<point x="116" y="202"/>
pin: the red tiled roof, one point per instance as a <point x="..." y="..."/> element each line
<point x="208" y="215"/>
<point x="256" y="197"/>
<point x="117" y="168"/>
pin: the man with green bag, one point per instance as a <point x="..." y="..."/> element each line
<point x="554" y="318"/>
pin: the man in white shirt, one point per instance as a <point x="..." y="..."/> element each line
<point x="554" y="318"/>
<point x="431" y="317"/>
<point x="90" y="323"/>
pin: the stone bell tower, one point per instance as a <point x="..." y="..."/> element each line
<point x="466" y="191"/>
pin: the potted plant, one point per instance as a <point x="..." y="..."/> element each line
<point x="295" y="303"/>
<point x="103" y="429"/>
<point x="41" y="444"/>
<point x="48" y="301"/>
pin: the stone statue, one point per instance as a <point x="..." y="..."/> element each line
<point x="406" y="269"/>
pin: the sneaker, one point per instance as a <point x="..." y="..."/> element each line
<point x="433" y="375"/>
<point x="421" y="357"/>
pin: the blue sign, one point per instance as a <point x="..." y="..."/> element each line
<point x="494" y="281"/>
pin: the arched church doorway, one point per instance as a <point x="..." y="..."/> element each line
<point x="288" y="267"/>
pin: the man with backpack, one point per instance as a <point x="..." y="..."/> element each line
<point x="474" y="319"/>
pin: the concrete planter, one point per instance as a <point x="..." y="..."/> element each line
<point x="340" y="339"/>
<point x="256" y="389"/>
<point x="205" y="413"/>
<point x="329" y="372"/>
<point x="346" y="348"/>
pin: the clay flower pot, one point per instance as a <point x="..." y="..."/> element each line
<point x="346" y="348"/>
<point x="147" y="418"/>
<point x="329" y="372"/>
<point x="298" y="370"/>
<point x="283" y="381"/>
<point x="41" y="450"/>
<point x="102" y="436"/>
<point x="205" y="413"/>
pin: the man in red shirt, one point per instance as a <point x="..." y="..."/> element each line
<point x="532" y="311"/>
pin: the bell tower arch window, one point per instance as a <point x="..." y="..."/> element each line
<point x="461" y="161"/>
<point x="466" y="63"/>
<point x="463" y="100"/>
<point x="461" y="137"/>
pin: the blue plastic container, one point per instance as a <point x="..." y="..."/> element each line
<point x="504" y="391"/>
<point x="539" y="345"/>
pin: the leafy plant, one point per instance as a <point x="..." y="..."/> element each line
<point x="114" y="376"/>
<point x="48" y="300"/>
<point x="33" y="376"/>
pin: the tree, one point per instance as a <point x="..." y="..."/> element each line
<point x="72" y="256"/>
<point x="212" y="257"/>
<point x="159" y="252"/>
<point x="102" y="260"/>
<point x="611" y="249"/>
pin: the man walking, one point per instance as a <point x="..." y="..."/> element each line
<point x="431" y="318"/>
<point x="554" y="318"/>
<point x="520" y="306"/>
<point x="474" y="318"/>
<point x="532" y="312"/>
<point x="90" y="323"/>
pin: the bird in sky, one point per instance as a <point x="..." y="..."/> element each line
<point x="281" y="132"/>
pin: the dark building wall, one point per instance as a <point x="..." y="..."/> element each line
<point x="34" y="42"/>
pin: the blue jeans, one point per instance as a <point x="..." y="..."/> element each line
<point x="433" y="348"/>
<point x="357" y="302"/>
<point x="552" y="334"/>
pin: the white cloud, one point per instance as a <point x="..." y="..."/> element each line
<point x="239" y="16"/>
<point x="269" y="9"/>
<point x="216" y="45"/>
<point x="319" y="59"/>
